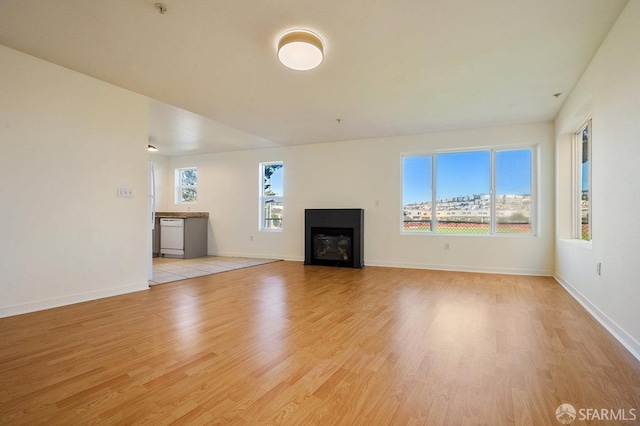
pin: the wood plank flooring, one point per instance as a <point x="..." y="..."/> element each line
<point x="290" y="344"/>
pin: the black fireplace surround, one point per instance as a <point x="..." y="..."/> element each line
<point x="334" y="237"/>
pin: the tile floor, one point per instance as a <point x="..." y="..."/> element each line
<point x="167" y="269"/>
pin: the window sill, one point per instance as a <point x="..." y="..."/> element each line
<point x="505" y="235"/>
<point x="577" y="243"/>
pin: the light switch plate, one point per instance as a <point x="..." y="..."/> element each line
<point x="124" y="192"/>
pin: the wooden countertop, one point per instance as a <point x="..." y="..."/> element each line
<point x="183" y="215"/>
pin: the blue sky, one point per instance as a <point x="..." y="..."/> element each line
<point x="276" y="181"/>
<point x="585" y="175"/>
<point x="466" y="173"/>
<point x="513" y="172"/>
<point x="417" y="179"/>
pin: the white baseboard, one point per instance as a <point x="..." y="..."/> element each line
<point x="40" y="305"/>
<point x="294" y="258"/>
<point x="455" y="268"/>
<point x="254" y="256"/>
<point x="461" y="268"/>
<point x="618" y="332"/>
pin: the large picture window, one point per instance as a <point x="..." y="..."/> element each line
<point x="271" y="196"/>
<point x="482" y="192"/>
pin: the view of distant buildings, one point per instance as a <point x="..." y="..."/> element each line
<point x="584" y="205"/>
<point x="510" y="208"/>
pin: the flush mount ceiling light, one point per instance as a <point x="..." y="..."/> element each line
<point x="300" y="50"/>
<point x="152" y="148"/>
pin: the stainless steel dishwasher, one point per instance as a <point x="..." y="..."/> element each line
<point x="172" y="237"/>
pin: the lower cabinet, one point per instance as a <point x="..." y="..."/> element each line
<point x="195" y="237"/>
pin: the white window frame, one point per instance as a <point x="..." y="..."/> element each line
<point x="262" y="199"/>
<point x="492" y="215"/>
<point x="179" y="188"/>
<point x="577" y="181"/>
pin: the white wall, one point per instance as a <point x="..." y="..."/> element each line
<point x="67" y="141"/>
<point x="354" y="174"/>
<point x="609" y="90"/>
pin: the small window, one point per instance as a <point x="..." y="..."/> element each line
<point x="582" y="193"/>
<point x="271" y="196"/>
<point x="186" y="185"/>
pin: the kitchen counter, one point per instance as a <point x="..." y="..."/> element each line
<point x="183" y="215"/>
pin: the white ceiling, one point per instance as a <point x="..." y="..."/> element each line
<point x="391" y="67"/>
<point x="175" y="131"/>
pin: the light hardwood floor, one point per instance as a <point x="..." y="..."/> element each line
<point x="285" y="343"/>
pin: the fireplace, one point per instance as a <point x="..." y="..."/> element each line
<point x="334" y="237"/>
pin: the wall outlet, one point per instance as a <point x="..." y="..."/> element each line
<point x="599" y="268"/>
<point x="124" y="192"/>
<point x="446" y="246"/>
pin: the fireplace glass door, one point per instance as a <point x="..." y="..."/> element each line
<point x="332" y="246"/>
